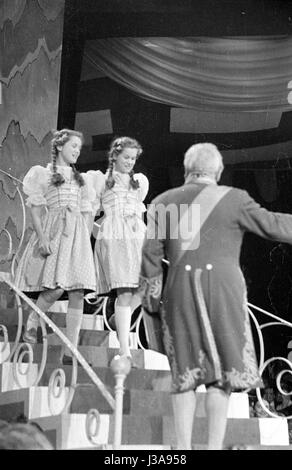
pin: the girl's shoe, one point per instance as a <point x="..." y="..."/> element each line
<point x="67" y="360"/>
<point x="30" y="336"/>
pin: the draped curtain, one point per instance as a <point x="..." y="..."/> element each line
<point x="210" y="74"/>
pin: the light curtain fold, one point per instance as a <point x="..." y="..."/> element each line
<point x="211" y="74"/>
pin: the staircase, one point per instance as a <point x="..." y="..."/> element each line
<point x="147" y="411"/>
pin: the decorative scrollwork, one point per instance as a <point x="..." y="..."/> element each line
<point x="263" y="364"/>
<point x="278" y="383"/>
<point x="56" y="390"/>
<point x="9" y="256"/>
<point x="59" y="396"/>
<point x="139" y="322"/>
<point x="57" y="383"/>
<point x="260" y="337"/>
<point x="104" y="306"/>
<point x="95" y="300"/>
<point x="5" y="342"/>
<point x="21" y="367"/>
<point x="21" y="351"/>
<point x="279" y="378"/>
<point x="92" y="426"/>
<point x="92" y="299"/>
<point x="14" y="261"/>
<point x="134" y="325"/>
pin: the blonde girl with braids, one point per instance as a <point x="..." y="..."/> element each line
<point x="58" y="256"/>
<point x="118" y="248"/>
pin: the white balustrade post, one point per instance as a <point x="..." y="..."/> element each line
<point x="121" y="367"/>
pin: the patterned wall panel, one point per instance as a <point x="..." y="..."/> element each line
<point x="30" y="61"/>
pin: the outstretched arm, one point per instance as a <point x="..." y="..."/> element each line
<point x="270" y="225"/>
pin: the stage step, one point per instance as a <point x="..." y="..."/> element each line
<point x="138" y="379"/>
<point x="68" y="431"/>
<point x="101" y="356"/>
<point x="92" y="322"/>
<point x="104" y="338"/>
<point x="9" y="317"/>
<point x="87" y="337"/>
<point x="135" y="389"/>
<point x="87" y="396"/>
<point x="159" y="431"/>
<point x="147" y="421"/>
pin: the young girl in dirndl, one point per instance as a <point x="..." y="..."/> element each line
<point x="118" y="248"/>
<point x="58" y="256"/>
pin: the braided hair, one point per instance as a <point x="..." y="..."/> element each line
<point x="117" y="146"/>
<point x="60" y="138"/>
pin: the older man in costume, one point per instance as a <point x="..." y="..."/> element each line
<point x="205" y="327"/>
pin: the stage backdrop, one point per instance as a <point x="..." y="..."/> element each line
<point x="170" y="93"/>
<point x="203" y="73"/>
<point x="30" y="59"/>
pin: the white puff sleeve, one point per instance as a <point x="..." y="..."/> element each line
<point x="35" y="186"/>
<point x="95" y="181"/>
<point x="143" y="190"/>
<point x="144" y="185"/>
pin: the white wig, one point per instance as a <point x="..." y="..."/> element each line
<point x="203" y="159"/>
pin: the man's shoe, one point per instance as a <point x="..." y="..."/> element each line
<point x="30" y="336"/>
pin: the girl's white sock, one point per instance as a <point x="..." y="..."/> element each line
<point x="73" y="325"/>
<point x="123" y="323"/>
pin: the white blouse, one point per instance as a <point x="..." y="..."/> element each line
<point x="97" y="179"/>
<point x="37" y="186"/>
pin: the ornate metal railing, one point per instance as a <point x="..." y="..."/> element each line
<point x="265" y="362"/>
<point x="21" y="354"/>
